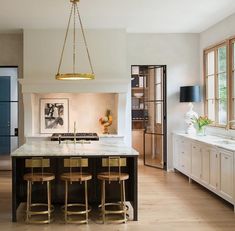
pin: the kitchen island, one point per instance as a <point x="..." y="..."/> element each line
<point x="94" y="151"/>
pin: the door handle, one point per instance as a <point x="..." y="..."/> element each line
<point x="16" y="131"/>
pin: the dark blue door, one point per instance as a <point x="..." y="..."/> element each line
<point x="5" y="112"/>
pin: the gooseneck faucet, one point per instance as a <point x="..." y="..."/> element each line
<point x="74" y="130"/>
<point x="227" y="126"/>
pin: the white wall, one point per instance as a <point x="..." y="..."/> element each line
<point x="217" y="33"/>
<point x="180" y="52"/>
<point x="42" y="50"/>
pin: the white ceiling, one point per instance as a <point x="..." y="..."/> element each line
<point x="156" y="16"/>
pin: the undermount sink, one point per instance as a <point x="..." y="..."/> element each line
<point x="227" y="142"/>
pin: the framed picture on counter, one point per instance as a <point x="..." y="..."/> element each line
<point x="54" y="115"/>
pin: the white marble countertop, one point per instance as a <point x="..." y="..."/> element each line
<point x="53" y="148"/>
<point x="218" y="141"/>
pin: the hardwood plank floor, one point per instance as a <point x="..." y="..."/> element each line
<point x="166" y="202"/>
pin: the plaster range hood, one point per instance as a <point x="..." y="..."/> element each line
<point x="33" y="90"/>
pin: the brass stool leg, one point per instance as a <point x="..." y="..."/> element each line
<point x="66" y="202"/>
<point x="124" y="199"/>
<point x="86" y="201"/>
<point x="30" y="196"/>
<point x="28" y="201"/>
<point x="103" y="200"/>
<point x="121" y="189"/>
<point x="49" y="201"/>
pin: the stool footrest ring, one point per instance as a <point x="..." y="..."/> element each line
<point x="41" y="212"/>
<point x="115" y="204"/>
<point x="40" y="222"/>
<point x="70" y="212"/>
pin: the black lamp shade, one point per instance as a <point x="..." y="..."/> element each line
<point x="190" y="94"/>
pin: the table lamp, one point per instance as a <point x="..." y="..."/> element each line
<point x="190" y="94"/>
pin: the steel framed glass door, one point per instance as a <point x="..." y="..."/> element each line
<point x="9" y="111"/>
<point x="155" y="137"/>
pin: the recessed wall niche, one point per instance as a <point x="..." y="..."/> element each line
<point x="84" y="108"/>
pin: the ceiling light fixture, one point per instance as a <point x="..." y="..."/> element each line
<point x="74" y="75"/>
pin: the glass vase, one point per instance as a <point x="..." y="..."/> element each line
<point x="201" y="131"/>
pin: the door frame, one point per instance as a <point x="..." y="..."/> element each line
<point x="164" y="116"/>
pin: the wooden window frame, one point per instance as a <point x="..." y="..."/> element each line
<point x="231" y="82"/>
<point x="216" y="99"/>
<point x="230" y="70"/>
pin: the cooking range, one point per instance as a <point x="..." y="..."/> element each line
<point x="70" y="136"/>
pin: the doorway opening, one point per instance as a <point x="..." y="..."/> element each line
<point x="149" y="115"/>
<point x="9" y="114"/>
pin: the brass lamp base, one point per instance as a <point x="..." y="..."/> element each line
<point x="75" y="76"/>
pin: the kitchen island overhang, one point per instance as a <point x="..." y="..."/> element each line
<point x="94" y="151"/>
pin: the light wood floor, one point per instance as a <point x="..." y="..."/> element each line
<point x="5" y="162"/>
<point x="166" y="202"/>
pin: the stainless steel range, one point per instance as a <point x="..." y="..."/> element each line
<point x="72" y="136"/>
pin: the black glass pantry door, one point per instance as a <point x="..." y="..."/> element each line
<point x="155" y="137"/>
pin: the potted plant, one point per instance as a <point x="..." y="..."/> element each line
<point x="200" y="123"/>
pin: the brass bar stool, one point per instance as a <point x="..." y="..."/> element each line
<point x="114" y="177"/>
<point x="71" y="177"/>
<point x="36" y="177"/>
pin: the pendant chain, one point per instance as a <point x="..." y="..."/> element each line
<point x="74" y="8"/>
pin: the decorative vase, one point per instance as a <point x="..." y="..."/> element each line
<point x="105" y="129"/>
<point x="201" y="131"/>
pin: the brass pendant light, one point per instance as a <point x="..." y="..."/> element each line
<point x="74" y="75"/>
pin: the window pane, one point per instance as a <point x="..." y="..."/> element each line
<point x="222" y="87"/>
<point x="222" y="112"/>
<point x="233" y="56"/>
<point x="159" y="113"/>
<point x="221" y="59"/>
<point x="159" y="92"/>
<point x="211" y="63"/>
<point x="154" y="150"/>
<point x="159" y="119"/>
<point x="210" y="87"/>
<point x="211" y="110"/>
<point x="158" y="75"/>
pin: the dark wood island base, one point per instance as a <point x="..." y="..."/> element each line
<point x="19" y="191"/>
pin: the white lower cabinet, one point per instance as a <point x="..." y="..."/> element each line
<point x="205" y="174"/>
<point x="226" y="173"/>
<point x="196" y="161"/>
<point x="214" y="169"/>
<point x="182" y="158"/>
<point x="208" y="165"/>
